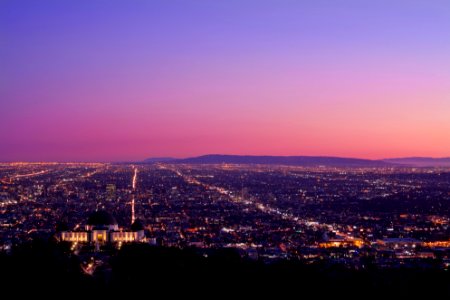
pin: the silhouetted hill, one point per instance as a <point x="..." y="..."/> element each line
<point x="282" y="160"/>
<point x="420" y="161"/>
<point x="48" y="269"/>
<point x="159" y="159"/>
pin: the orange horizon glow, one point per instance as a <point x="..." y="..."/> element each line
<point x="134" y="81"/>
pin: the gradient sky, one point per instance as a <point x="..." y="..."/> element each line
<point x="122" y="80"/>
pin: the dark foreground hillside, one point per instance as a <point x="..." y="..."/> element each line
<point x="47" y="268"/>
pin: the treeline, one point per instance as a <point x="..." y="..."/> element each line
<point x="49" y="268"/>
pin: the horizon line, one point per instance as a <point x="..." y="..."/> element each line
<point x="201" y="155"/>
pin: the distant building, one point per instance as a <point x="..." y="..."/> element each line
<point x="111" y="191"/>
<point x="337" y="243"/>
<point x="398" y="243"/>
<point x="101" y="229"/>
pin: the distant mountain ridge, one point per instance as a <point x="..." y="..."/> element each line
<point x="159" y="159"/>
<point x="307" y="161"/>
<point x="420" y="161"/>
<point x="278" y="160"/>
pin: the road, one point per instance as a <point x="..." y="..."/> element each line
<point x="255" y="203"/>
<point x="30" y="174"/>
<point x="133" y="185"/>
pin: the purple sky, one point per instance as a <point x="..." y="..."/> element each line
<point x="126" y="80"/>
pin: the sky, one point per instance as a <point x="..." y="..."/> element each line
<point x="110" y="80"/>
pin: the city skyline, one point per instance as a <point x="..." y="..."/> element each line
<point x="125" y="81"/>
<point x="393" y="218"/>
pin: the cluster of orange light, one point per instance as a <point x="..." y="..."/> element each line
<point x="124" y="236"/>
<point x="444" y="244"/>
<point x="74" y="236"/>
<point x="345" y="243"/>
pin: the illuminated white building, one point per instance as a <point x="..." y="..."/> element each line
<point x="102" y="229"/>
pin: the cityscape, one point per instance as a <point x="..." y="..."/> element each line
<point x="225" y="149"/>
<point x="388" y="217"/>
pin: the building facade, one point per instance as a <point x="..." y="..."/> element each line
<point x="101" y="229"/>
